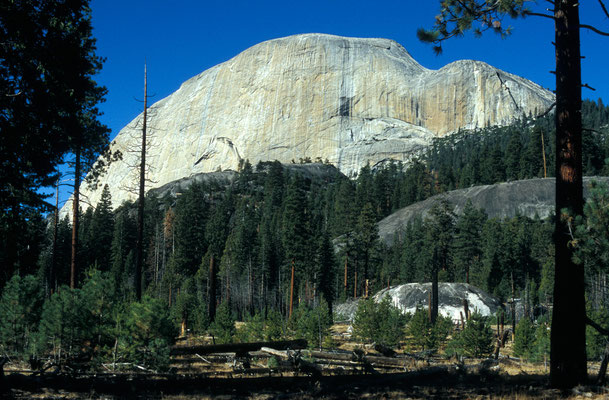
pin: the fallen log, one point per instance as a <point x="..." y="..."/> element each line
<point x="399" y="361"/>
<point x="277" y="353"/>
<point x="238" y="348"/>
<point x="384" y="350"/>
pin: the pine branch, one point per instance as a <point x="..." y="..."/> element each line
<point x="593" y="29"/>
<point x="603" y="7"/>
<point x="535" y="14"/>
<point x="547" y="111"/>
<point x="596" y="326"/>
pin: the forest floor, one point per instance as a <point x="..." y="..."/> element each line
<point x="328" y="374"/>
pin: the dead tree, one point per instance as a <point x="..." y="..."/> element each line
<point x="138" y="164"/>
<point x="140" y="205"/>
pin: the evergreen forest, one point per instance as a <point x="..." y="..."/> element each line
<point x="219" y="252"/>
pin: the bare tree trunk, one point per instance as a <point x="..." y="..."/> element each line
<point x="602" y="372"/>
<point x="291" y="291"/>
<point x="346" y="261"/>
<point x="568" y="340"/>
<point x="211" y="305"/>
<point x="52" y="272"/>
<point x="543" y="154"/>
<point x="75" y="207"/>
<point x="140" y="205"/>
<point x="433" y="313"/>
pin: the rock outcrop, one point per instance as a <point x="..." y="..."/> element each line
<point x="530" y="198"/>
<point x="313" y="171"/>
<point x="409" y="296"/>
<point x="346" y="100"/>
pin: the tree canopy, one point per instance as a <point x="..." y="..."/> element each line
<point x="48" y="103"/>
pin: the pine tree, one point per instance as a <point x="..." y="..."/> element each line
<point x="513" y="156"/>
<point x="343" y="215"/>
<point x="123" y="244"/>
<point x="524" y="340"/>
<point x="295" y="231"/>
<point x="20" y="309"/>
<point x="49" y="102"/>
<point x="467" y="249"/>
<point x="101" y="231"/>
<point x="223" y="328"/>
<point x="325" y="271"/>
<point x="440" y="227"/>
<point x="477" y="337"/>
<point x="531" y="162"/>
<point x="191" y="215"/>
<point x="366" y="242"/>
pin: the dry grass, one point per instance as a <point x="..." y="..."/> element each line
<point x="509" y="379"/>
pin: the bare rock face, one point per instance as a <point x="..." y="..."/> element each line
<point x="529" y="198"/>
<point x="346" y="100"/>
<point x="451" y="296"/>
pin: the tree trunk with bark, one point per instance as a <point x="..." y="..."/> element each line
<point x="568" y="342"/>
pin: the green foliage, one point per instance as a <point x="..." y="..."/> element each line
<point x="20" y="309"/>
<point x="77" y="323"/>
<point x="185" y="305"/>
<point x="98" y="239"/>
<point x="425" y="335"/>
<point x="223" y="328"/>
<point x="253" y="330"/>
<point x="381" y="323"/>
<point x="542" y="341"/>
<point x="596" y="342"/>
<point x="49" y="103"/>
<point x="524" y="339"/>
<point x="476" y="340"/>
<point x="273" y="329"/>
<point x="122" y="249"/>
<point x="149" y="333"/>
<point x="457" y="17"/>
<point x="313" y="324"/>
<point x="467" y="243"/>
<point x="592" y="234"/>
<point x="190" y="238"/>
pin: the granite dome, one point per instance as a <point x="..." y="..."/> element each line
<point x="350" y="101"/>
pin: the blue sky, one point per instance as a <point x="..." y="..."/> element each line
<point x="181" y="38"/>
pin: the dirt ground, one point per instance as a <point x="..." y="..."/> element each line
<point x="432" y="377"/>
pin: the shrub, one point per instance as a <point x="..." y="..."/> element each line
<point x="524" y="340"/>
<point x="78" y="323"/>
<point x="313" y="324"/>
<point x="382" y="323"/>
<point x="595" y="342"/>
<point x="476" y="340"/>
<point x="426" y="336"/>
<point x="223" y="328"/>
<point x="273" y="328"/>
<point x="252" y="330"/>
<point x="20" y="309"/>
<point x="542" y="341"/>
<point x="149" y="333"/>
